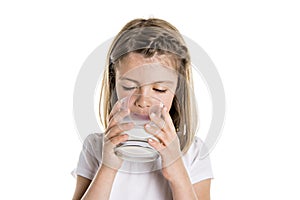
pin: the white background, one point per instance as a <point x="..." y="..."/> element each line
<point x="255" y="46"/>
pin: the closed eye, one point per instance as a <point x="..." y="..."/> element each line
<point x="128" y="88"/>
<point x="158" y="90"/>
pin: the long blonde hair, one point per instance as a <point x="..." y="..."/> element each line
<point x="183" y="111"/>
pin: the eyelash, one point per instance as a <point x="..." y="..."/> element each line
<point x="131" y="88"/>
<point x="160" y="91"/>
<point x="128" y="88"/>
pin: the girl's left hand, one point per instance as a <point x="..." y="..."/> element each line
<point x="169" y="145"/>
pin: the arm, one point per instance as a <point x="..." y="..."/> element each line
<point x="202" y="189"/>
<point x="101" y="185"/>
<point x="181" y="186"/>
<point x="82" y="184"/>
<point x="99" y="188"/>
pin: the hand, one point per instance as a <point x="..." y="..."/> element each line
<point x="113" y="136"/>
<point x="169" y="145"/>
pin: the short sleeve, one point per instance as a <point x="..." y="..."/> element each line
<point x="88" y="162"/>
<point x="199" y="168"/>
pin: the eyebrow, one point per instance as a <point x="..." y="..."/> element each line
<point x="129" y="79"/>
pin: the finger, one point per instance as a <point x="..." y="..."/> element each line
<point x="168" y="120"/>
<point x="158" y="133"/>
<point x="118" y="139"/>
<point x="156" y="145"/>
<point x="169" y="153"/>
<point x="161" y="123"/>
<point x="117" y="129"/>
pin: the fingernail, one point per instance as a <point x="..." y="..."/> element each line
<point x="151" y="140"/>
<point x="147" y="126"/>
<point x="152" y="115"/>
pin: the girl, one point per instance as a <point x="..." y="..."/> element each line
<point x="142" y="60"/>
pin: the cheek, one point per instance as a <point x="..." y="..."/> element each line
<point x="121" y="93"/>
<point x="167" y="101"/>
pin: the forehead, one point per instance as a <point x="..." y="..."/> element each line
<point x="146" y="70"/>
<point x="134" y="60"/>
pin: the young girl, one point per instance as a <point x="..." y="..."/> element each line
<point x="147" y="58"/>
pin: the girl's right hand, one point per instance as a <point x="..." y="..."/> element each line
<point x="113" y="136"/>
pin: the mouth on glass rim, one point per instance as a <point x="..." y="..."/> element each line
<point x="143" y="117"/>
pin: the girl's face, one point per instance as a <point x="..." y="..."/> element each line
<point x="141" y="78"/>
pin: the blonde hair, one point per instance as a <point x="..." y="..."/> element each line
<point x="183" y="112"/>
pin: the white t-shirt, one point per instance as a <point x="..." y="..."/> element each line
<point x="150" y="185"/>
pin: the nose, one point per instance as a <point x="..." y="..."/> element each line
<point x="142" y="97"/>
<point x="142" y="101"/>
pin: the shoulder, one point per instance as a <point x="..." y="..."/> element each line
<point x="93" y="143"/>
<point x="195" y="152"/>
<point x="93" y="138"/>
<point x="197" y="162"/>
<point x="90" y="156"/>
<point x="196" y="146"/>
